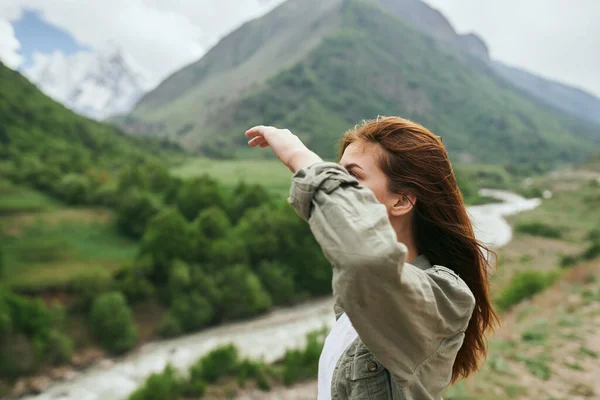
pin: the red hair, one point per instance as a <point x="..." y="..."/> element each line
<point x="416" y="162"/>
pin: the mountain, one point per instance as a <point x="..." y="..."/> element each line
<point x="320" y="66"/>
<point x="568" y="99"/>
<point x="563" y="97"/>
<point x="97" y="85"/>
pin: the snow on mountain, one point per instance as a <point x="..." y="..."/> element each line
<point x="99" y="85"/>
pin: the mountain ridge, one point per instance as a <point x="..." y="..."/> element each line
<point x="371" y="62"/>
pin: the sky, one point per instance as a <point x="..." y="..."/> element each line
<point x="559" y="39"/>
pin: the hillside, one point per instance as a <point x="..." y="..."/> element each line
<point x="574" y="101"/>
<point x="37" y="133"/>
<point x="357" y="60"/>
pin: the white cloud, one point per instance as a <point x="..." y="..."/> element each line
<point x="10" y="11"/>
<point x="9" y="46"/>
<point x="556" y="38"/>
<point x="551" y="37"/>
<point x="161" y="35"/>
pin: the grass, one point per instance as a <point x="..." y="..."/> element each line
<point x="49" y="255"/>
<point x="574" y="209"/>
<point x="15" y="199"/>
<point x="538" y="228"/>
<point x="269" y="173"/>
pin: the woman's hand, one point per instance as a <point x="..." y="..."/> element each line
<point x="290" y="150"/>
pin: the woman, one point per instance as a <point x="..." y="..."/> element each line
<point x="409" y="278"/>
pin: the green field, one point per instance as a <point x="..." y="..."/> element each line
<point x="19" y="199"/>
<point x="269" y="173"/>
<point x="47" y="245"/>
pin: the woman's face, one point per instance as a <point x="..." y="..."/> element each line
<point x="361" y="160"/>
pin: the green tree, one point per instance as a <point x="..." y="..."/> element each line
<point x="246" y="197"/>
<point x="199" y="194"/>
<point x="277" y="234"/>
<point x="167" y="238"/>
<point x="191" y="310"/>
<point x="242" y="293"/>
<point x="133" y="280"/>
<point x="132" y="176"/>
<point x="206" y="285"/>
<point x="74" y="189"/>
<point x="212" y="223"/>
<point x="136" y="209"/>
<point x="278" y="280"/>
<point x="1" y="261"/>
<point x="112" y="322"/>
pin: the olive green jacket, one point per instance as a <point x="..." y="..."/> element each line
<point x="410" y="317"/>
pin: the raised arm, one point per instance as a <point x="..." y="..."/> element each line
<point x="402" y="313"/>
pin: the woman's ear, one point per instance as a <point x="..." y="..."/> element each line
<point x="403" y="205"/>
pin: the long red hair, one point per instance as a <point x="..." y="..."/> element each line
<point x="416" y="162"/>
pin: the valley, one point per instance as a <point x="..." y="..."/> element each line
<point x="153" y="255"/>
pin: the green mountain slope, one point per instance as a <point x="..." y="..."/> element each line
<point x="368" y="63"/>
<point x="41" y="137"/>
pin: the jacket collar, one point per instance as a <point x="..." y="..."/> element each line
<point x="421" y="262"/>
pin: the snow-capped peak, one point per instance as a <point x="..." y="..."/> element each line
<point x="96" y="84"/>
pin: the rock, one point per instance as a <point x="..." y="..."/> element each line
<point x="20" y="389"/>
<point x="39" y="384"/>
<point x="86" y="358"/>
<point x="62" y="373"/>
<point x="105" y="364"/>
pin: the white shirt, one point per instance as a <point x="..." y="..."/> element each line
<point x="341" y="336"/>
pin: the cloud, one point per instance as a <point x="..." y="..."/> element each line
<point x="9" y="46"/>
<point x="551" y="37"/>
<point x="161" y="35"/>
<point x="10" y="10"/>
<point x="555" y="38"/>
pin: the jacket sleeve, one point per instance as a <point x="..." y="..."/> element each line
<point x="401" y="312"/>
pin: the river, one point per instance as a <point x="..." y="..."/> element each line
<point x="265" y="337"/>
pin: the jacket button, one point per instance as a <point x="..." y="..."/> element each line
<point x="372" y="366"/>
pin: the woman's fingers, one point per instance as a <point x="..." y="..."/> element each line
<point x="255" y="141"/>
<point x="259" y="130"/>
<point x="258" y="141"/>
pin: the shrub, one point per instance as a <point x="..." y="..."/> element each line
<point x="278" y="281"/>
<point x="199" y="194"/>
<point x="192" y="311"/>
<point x="90" y="284"/>
<point x="242" y="293"/>
<point x="523" y="285"/>
<point x="222" y="361"/>
<point x="30" y="335"/>
<point x="166" y="238"/>
<point x="133" y="281"/>
<point x="247" y="197"/>
<point x="106" y="195"/>
<point x="17" y="356"/>
<point x="162" y="386"/>
<point x="540" y="229"/>
<point x="112" y="322"/>
<point x="530" y="192"/>
<point x="594" y="235"/>
<point x="134" y="212"/>
<point x="567" y="260"/>
<point x="74" y="189"/>
<point x="58" y="348"/>
<point x="591" y="252"/>
<point x="212" y="223"/>
<point x="170" y="326"/>
<point x="304" y="363"/>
